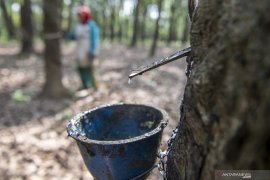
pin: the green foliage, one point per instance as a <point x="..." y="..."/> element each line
<point x="19" y="96"/>
<point x="67" y="114"/>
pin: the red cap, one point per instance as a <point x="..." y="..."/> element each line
<point x="84" y="14"/>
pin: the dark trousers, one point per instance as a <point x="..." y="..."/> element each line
<point x="87" y="75"/>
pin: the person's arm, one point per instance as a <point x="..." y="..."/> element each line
<point x="71" y="34"/>
<point x="94" y="38"/>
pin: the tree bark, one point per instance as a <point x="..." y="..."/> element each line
<point x="120" y="32"/>
<point x="112" y="22"/>
<point x="53" y="87"/>
<point x="127" y="26"/>
<point x="156" y="35"/>
<point x="70" y="7"/>
<point x="185" y="35"/>
<point x="173" y="21"/>
<point x="104" y="21"/>
<point x="26" y="27"/>
<point x="8" y="20"/>
<point x="136" y="24"/>
<point x="225" y="114"/>
<point x="120" y="21"/>
<point x="143" y="23"/>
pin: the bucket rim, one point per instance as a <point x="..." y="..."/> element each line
<point x="163" y="123"/>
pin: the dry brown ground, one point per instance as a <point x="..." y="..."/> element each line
<point x="34" y="144"/>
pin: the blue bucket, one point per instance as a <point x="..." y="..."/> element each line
<point x="119" y="141"/>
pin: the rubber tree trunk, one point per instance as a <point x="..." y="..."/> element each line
<point x="185" y="35"/>
<point x="156" y="34"/>
<point x="143" y="23"/>
<point x="127" y="25"/>
<point x="8" y="20"/>
<point x="135" y="34"/>
<point x="225" y="114"/>
<point x="26" y="27"/>
<point x="120" y="21"/>
<point x="53" y="87"/>
<point x="104" y="23"/>
<point x="112" y="22"/>
<point x="70" y="14"/>
<point x="120" y="31"/>
<point x="61" y="17"/>
<point x="172" y="36"/>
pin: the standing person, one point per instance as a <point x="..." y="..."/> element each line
<point x="86" y="34"/>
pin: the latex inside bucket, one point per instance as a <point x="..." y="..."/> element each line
<point x="117" y="122"/>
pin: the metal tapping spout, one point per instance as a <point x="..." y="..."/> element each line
<point x="156" y="64"/>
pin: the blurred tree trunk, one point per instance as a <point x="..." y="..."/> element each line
<point x="136" y="24"/>
<point x="104" y="23"/>
<point x="120" y="21"/>
<point x="112" y="23"/>
<point x="173" y="22"/>
<point x="120" y="31"/>
<point x="225" y="114"/>
<point x="8" y="20"/>
<point x="70" y="14"/>
<point x="53" y="87"/>
<point x="143" y="23"/>
<point x="127" y="28"/>
<point x="26" y="27"/>
<point x="61" y="8"/>
<point x="185" y="34"/>
<point x="156" y="35"/>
